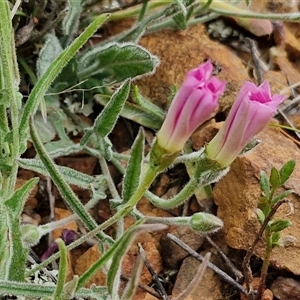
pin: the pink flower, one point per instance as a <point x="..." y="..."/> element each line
<point x="192" y="105"/>
<point x="250" y="113"/>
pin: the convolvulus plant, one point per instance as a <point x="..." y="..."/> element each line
<point x="117" y="61"/>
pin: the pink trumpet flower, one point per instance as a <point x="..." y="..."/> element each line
<point x="192" y="105"/>
<point x="250" y="113"/>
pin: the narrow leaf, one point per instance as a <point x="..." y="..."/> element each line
<point x="64" y="189"/>
<point x="264" y="184"/>
<point x="275" y="239"/>
<point x="137" y="114"/>
<point x="279" y="225"/>
<point x="133" y="170"/>
<point x="107" y="119"/>
<point x="133" y="282"/>
<point x="18" y="253"/>
<point x="274" y="178"/>
<point x="113" y="274"/>
<point x="180" y="21"/>
<point x="281" y="196"/>
<point x="70" y="175"/>
<point x="287" y="170"/>
<point x="18" y="199"/>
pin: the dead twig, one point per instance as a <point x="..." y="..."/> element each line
<point x="209" y="264"/>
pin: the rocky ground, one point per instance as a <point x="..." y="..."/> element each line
<point x="235" y="196"/>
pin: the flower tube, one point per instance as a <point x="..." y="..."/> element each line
<point x="250" y="113"/>
<point x="192" y="105"/>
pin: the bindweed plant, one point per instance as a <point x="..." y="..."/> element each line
<point x="42" y="116"/>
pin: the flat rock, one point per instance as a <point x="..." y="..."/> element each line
<point x="208" y="289"/>
<point x="238" y="192"/>
<point x="181" y="51"/>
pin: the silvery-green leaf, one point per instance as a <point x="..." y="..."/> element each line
<point x="70" y="175"/>
<point x="133" y="170"/>
<point x="46" y="129"/>
<point x="137" y="114"/>
<point x="18" y="257"/>
<point x="107" y="119"/>
<point x="43" y="84"/>
<point x="71" y="20"/>
<point x="64" y="189"/>
<point x="51" y="49"/>
<point x="264" y="184"/>
<point x="118" y="61"/>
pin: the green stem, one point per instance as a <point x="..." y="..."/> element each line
<point x="11" y="82"/>
<point x="135" y="11"/>
<point x="265" y="266"/>
<point x="179" y="199"/>
<point x="63" y="269"/>
<point x="148" y="178"/>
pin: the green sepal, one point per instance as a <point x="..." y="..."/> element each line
<point x="279" y="225"/>
<point x="264" y="184"/>
<point x="134" y="167"/>
<point x="205" y="223"/>
<point x="275" y="178"/>
<point x="287" y="170"/>
<point x="160" y="159"/>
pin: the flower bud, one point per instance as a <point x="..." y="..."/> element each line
<point x="250" y="113"/>
<point x="193" y="104"/>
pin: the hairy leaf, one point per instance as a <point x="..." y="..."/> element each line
<point x="133" y="171"/>
<point x="117" y="61"/>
